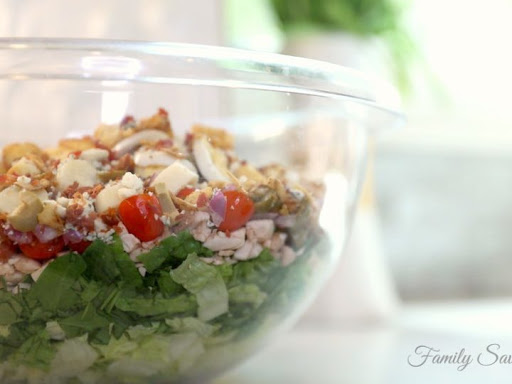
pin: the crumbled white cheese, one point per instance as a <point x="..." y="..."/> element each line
<point x="23" y="180"/>
<point x="132" y="181"/>
<point x="99" y="225"/>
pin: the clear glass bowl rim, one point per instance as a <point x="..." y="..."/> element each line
<point x="247" y="69"/>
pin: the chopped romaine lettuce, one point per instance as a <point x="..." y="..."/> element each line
<point x="95" y="316"/>
<point x="206" y="283"/>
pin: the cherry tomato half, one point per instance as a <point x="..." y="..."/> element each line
<point x="79" y="247"/>
<point x="239" y="209"/>
<point x="184" y="192"/>
<point x="140" y="215"/>
<point x="42" y="251"/>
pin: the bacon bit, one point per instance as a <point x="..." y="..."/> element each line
<point x="54" y="163"/>
<point x="70" y="190"/>
<point x="167" y="143"/>
<point x="202" y="200"/>
<point x="125" y="163"/>
<point x="7" y="180"/>
<point x="110" y="217"/>
<point x="127" y="120"/>
<point x="92" y="191"/>
<point x="74" y="213"/>
<point x="74" y="217"/>
<point x="163" y="112"/>
<point x="75" y="154"/>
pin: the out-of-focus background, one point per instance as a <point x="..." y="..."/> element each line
<point x="432" y="243"/>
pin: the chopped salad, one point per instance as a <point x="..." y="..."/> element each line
<point x="129" y="253"/>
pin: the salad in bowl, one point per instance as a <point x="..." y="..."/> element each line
<point x="133" y="254"/>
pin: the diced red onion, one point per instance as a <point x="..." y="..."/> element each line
<point x="72" y="236"/>
<point x="286" y="221"/>
<point x="45" y="233"/>
<point x="264" y="216"/>
<point x="18" y="237"/>
<point x="218" y="205"/>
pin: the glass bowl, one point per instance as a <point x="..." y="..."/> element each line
<point x="78" y="314"/>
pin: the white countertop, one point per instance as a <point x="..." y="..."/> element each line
<point x="379" y="353"/>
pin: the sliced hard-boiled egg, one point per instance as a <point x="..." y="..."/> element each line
<point x="135" y="140"/>
<point x="176" y="176"/>
<point x="76" y="170"/>
<point x="212" y="162"/>
<point x="150" y="157"/>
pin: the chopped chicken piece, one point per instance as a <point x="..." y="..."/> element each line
<point x="220" y="241"/>
<point x="260" y="230"/>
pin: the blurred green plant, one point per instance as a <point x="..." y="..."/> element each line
<point x="364" y="18"/>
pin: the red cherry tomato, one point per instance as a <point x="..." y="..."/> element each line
<point x="140" y="215"/>
<point x="42" y="251"/>
<point x="79" y="247"/>
<point x="184" y="192"/>
<point x="239" y="209"/>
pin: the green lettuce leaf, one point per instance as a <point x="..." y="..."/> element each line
<point x="191" y="324"/>
<point x="109" y="263"/>
<point x="246" y="294"/>
<point x="53" y="288"/>
<point x="36" y="351"/>
<point x="206" y="283"/>
<point x="172" y="251"/>
<point x="158" y="306"/>
<point x="73" y="357"/>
